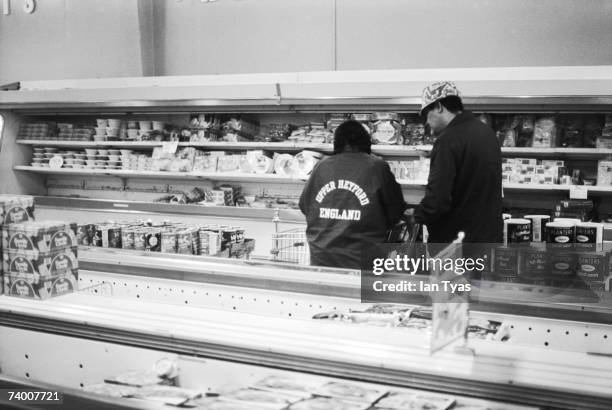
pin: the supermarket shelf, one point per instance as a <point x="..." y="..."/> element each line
<point x="556" y="188"/>
<point x="241" y="177"/>
<point x="213" y="176"/>
<point x="399" y="150"/>
<point x="388" y="150"/>
<point x="102" y="205"/>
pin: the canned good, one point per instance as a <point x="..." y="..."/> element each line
<point x="239" y="234"/>
<point x="82" y="235"/>
<point x="184" y="242"/>
<point x="589" y="235"/>
<point x="562" y="266"/>
<point x="535" y="265"/>
<point x="114" y="236"/>
<point x="593" y="266"/>
<point x="506" y="264"/>
<point x="140" y="239"/>
<point x="538" y="226"/>
<point x="100" y="236"/>
<point x="560" y="235"/>
<point x="517" y="231"/>
<point x="153" y="240"/>
<point x="127" y="238"/>
<point x="168" y="242"/>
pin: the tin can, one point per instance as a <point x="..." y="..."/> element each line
<point x="506" y="264"/>
<point x="535" y="267"/>
<point x="228" y="237"/>
<point x="184" y="242"/>
<point x="127" y="238"/>
<point x="101" y="232"/>
<point x="114" y="236"/>
<point x="593" y="266"/>
<point x="168" y="242"/>
<point x="153" y="240"/>
<point x="140" y="239"/>
<point x="589" y="235"/>
<point x="538" y="226"/>
<point x="517" y="231"/>
<point x="562" y="266"/>
<point x="560" y="235"/>
<point x="83" y="235"/>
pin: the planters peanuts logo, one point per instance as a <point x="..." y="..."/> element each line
<point x="16" y="215"/>
<point x="22" y="288"/>
<point x="21" y="265"/>
<point x="20" y="241"/>
<point x="60" y="240"/>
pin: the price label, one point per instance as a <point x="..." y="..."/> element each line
<point x="169" y="147"/>
<point x="578" y="192"/>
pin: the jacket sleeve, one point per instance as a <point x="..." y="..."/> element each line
<point x="438" y="193"/>
<point x="392" y="197"/>
<point x="306" y="196"/>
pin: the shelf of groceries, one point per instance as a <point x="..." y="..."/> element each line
<point x="395" y="150"/>
<point x="244" y="177"/>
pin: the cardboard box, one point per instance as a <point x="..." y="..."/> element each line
<point x="16" y="209"/>
<point x="41" y="237"/>
<point x="28" y="286"/>
<point x="40" y="264"/>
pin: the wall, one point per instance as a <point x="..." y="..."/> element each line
<point x="239" y="36"/>
<point x="70" y="39"/>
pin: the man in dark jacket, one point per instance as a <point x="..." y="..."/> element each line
<point x="464" y="188"/>
<point x="350" y="200"/>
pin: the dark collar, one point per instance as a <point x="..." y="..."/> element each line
<point x="461" y="118"/>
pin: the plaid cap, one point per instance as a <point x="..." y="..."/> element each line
<point x="436" y="91"/>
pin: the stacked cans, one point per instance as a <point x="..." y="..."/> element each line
<point x="540" y="252"/>
<point x="219" y="239"/>
<point x="39" y="259"/>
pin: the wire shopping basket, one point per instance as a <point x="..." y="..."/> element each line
<point x="289" y="245"/>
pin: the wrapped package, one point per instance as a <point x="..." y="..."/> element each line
<point x="572" y="135"/>
<point x="205" y="162"/>
<point x="261" y="163"/>
<point x="544" y="133"/>
<point x="286" y="165"/>
<point x="593" y="125"/>
<point x="306" y="161"/>
<point x="39" y="237"/>
<point x="228" y="163"/>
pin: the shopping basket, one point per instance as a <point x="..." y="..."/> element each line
<point x="289" y="245"/>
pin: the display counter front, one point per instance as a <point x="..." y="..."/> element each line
<point x="263" y="314"/>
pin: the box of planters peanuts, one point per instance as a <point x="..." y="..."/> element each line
<point x="39" y="259"/>
<point x="14" y="209"/>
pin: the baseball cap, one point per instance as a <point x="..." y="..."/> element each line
<point x="436" y="91"/>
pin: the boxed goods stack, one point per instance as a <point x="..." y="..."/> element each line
<point x="14" y="209"/>
<point x="39" y="259"/>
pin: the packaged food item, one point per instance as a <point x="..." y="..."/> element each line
<point x="416" y="401"/>
<point x="517" y="231"/>
<point x="171" y="395"/>
<point x="572" y="135"/>
<point x="39" y="287"/>
<point x="111" y="390"/>
<point x="16" y="209"/>
<point x="40" y="237"/>
<point x="272" y="400"/>
<point x="327" y="403"/>
<point x="544" y="133"/>
<point x="350" y="392"/>
<point x="53" y="263"/>
<point x="386" y="129"/>
<point x="168" y="241"/>
<point x="285" y="384"/>
<point x="604" y="173"/>
<point x="560" y="234"/>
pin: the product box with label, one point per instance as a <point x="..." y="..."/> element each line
<point x="16" y="209"/>
<point x="39" y="287"/>
<point x="39" y="237"/>
<point x="40" y="264"/>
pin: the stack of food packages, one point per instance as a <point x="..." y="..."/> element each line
<point x="39" y="259"/>
<point x="560" y="252"/>
<point x="568" y="131"/>
<point x="38" y="131"/>
<point x="415" y="170"/>
<point x="13" y="209"/>
<point x="534" y="171"/>
<point x="168" y="237"/>
<point x="277" y="391"/>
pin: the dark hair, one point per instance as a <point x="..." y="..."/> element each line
<point x="353" y="134"/>
<point x="452" y="103"/>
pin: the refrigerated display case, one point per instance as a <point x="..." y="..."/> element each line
<point x="552" y="349"/>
